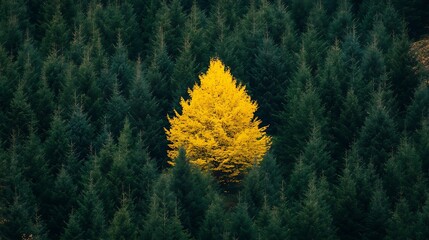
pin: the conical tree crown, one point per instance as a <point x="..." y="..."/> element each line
<point x="217" y="126"/>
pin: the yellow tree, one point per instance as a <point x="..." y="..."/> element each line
<point x="217" y="126"/>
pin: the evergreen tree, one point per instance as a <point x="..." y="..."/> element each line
<point x="191" y="189"/>
<point x="54" y="71"/>
<point x="63" y="199"/>
<point x="378" y="214"/>
<point x="87" y="221"/>
<point x="56" y="143"/>
<point x="267" y="81"/>
<point x="57" y="35"/>
<point x="317" y="155"/>
<point x="318" y="18"/>
<point x="378" y="136"/>
<point x="402" y="223"/>
<point x="262" y="184"/>
<point x="342" y="21"/>
<point x="122" y="226"/>
<point x="303" y="110"/>
<point x="270" y="224"/>
<point x="242" y="226"/>
<point x="214" y="225"/>
<point x="145" y="117"/>
<point x="353" y="196"/>
<point x="43" y="106"/>
<point x="117" y="110"/>
<point x="403" y="78"/>
<point x="80" y="131"/>
<point x="184" y="73"/>
<point x="350" y="121"/>
<point x="121" y="67"/>
<point x="404" y="175"/>
<point x="313" y="218"/>
<point x="421" y="229"/>
<point x="162" y="220"/>
<point x="159" y="72"/>
<point x="119" y="175"/>
<point x="20" y="116"/>
<point x="17" y="200"/>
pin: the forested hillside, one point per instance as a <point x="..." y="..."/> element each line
<point x="89" y="88"/>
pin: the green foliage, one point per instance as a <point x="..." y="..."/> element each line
<point x="85" y="88"/>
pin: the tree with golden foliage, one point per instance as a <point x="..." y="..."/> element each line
<point x="217" y="126"/>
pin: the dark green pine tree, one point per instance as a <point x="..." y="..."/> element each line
<point x="342" y="22"/>
<point x="43" y="106"/>
<point x="401" y="225"/>
<point x="119" y="18"/>
<point x="300" y="11"/>
<point x="268" y="81"/>
<point x="422" y="146"/>
<point x="80" y="131"/>
<point x="29" y="63"/>
<point x="313" y="49"/>
<point x="194" y="32"/>
<point x="373" y="66"/>
<point x="123" y="225"/>
<point x="318" y="18"/>
<point x="20" y="116"/>
<point x="14" y="22"/>
<point x="87" y="89"/>
<point x="404" y="177"/>
<point x="418" y="110"/>
<point x="159" y="73"/>
<point x="238" y="53"/>
<point x="57" y="35"/>
<point x="302" y="111"/>
<point x="379" y="36"/>
<point x="353" y="196"/>
<point x="184" y="74"/>
<point x="162" y="220"/>
<point x="67" y="94"/>
<point x="270" y="225"/>
<point x="191" y="189"/>
<point x="242" y="226"/>
<point x="422" y="231"/>
<point x="117" y="109"/>
<point x="144" y="173"/>
<point x="17" y="200"/>
<point x="214" y="224"/>
<point x="87" y="221"/>
<point x="400" y="67"/>
<point x="119" y="176"/>
<point x="145" y="117"/>
<point x="36" y="170"/>
<point x="170" y="19"/>
<point x="63" y="200"/>
<point x="332" y="83"/>
<point x="298" y="180"/>
<point x="7" y="81"/>
<point x="262" y="184"/>
<point x="378" y="137"/>
<point x="56" y="143"/>
<point x="54" y="70"/>
<point x="378" y="214"/>
<point x="313" y="219"/>
<point x="350" y="121"/>
<point x="121" y="67"/>
<point x="316" y="154"/>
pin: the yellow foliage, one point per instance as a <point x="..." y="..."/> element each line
<point x="217" y="126"/>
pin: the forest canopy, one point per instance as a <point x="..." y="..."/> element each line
<point x="337" y="146"/>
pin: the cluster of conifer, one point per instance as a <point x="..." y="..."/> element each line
<point x="86" y="87"/>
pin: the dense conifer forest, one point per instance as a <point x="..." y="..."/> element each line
<point x="86" y="87"/>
